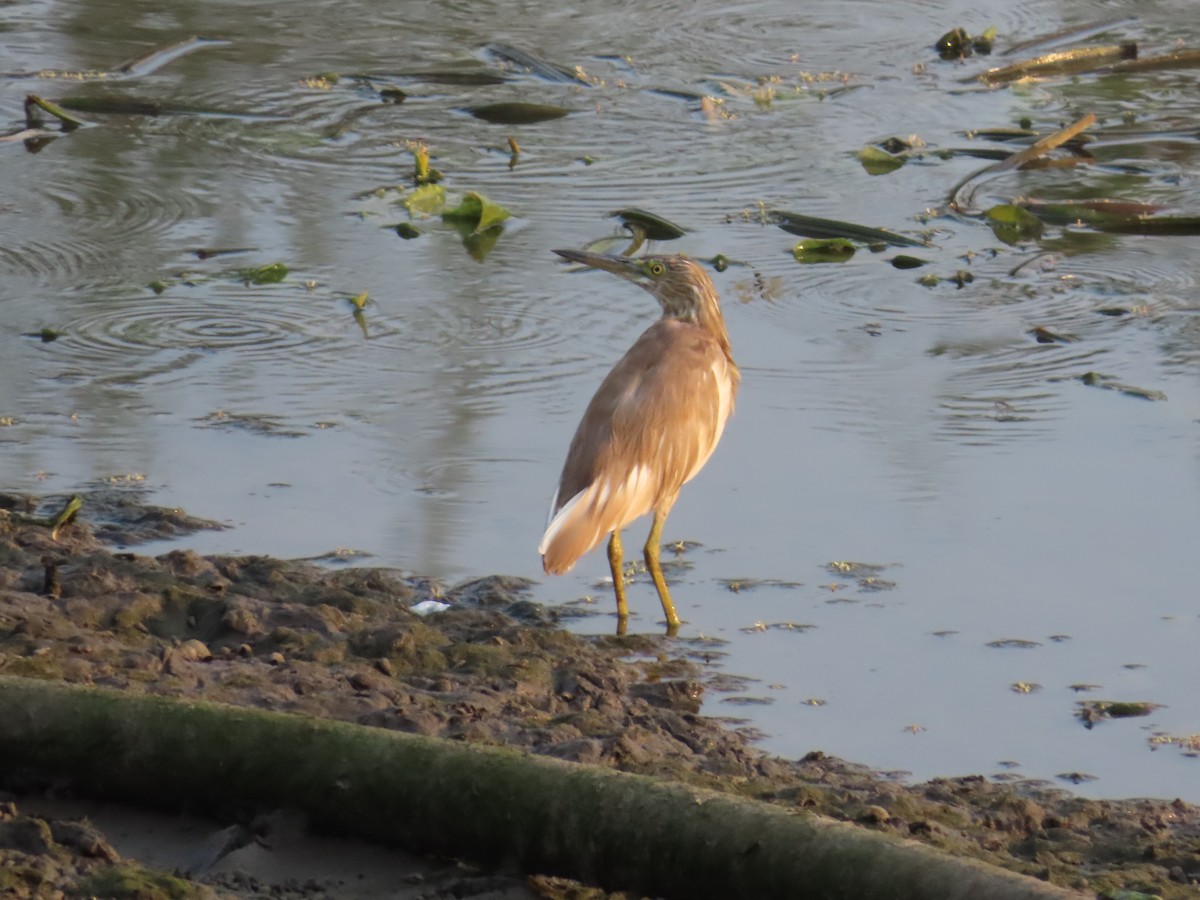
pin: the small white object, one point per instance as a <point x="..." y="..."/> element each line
<point x="425" y="607"/>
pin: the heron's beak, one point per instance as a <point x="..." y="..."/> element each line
<point x="618" y="265"/>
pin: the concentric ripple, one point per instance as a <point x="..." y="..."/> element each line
<point x="181" y="324"/>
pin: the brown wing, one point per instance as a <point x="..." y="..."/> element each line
<point x="651" y="426"/>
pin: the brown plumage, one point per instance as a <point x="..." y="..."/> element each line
<point x="653" y="423"/>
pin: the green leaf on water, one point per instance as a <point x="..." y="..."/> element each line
<point x="427" y="200"/>
<point x="33" y="101"/>
<point x="518" y="113"/>
<point x="813" y="226"/>
<point x="407" y="231"/>
<point x="477" y="212"/>
<point x="1013" y="224"/>
<point x="480" y="243"/>
<point x="821" y="250"/>
<point x="954" y="44"/>
<point x="272" y="273"/>
<point x="877" y="161"/>
<point x="1114" y="216"/>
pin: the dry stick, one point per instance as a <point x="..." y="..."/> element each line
<point x="1065" y="62"/>
<point x="1176" y="59"/>
<point x="488" y="804"/>
<point x="1030" y="153"/>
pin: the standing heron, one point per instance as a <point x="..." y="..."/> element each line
<point x="652" y="425"/>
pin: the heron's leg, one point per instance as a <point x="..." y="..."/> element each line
<point x="616" y="562"/>
<point x="653" y="546"/>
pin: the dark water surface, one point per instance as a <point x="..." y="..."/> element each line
<point x="881" y="420"/>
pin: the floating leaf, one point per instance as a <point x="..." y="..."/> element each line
<point x="480" y="243"/>
<point x="1013" y="224"/>
<point x="478" y="212"/>
<point x="33" y="101"/>
<point x="1093" y="711"/>
<point x="1151" y="225"/>
<point x="427" y="200"/>
<point x="954" y="44"/>
<point x="407" y="231"/>
<point x="821" y="250"/>
<point x="210" y="252"/>
<point x="957" y="44"/>
<point x="46" y="335"/>
<point x="1046" y="336"/>
<point x="1114" y="216"/>
<point x="518" y="113"/>
<point x="813" y="226"/>
<point x="984" y="42"/>
<point x="360" y="300"/>
<point x="272" y="273"/>
<point x="477" y="76"/>
<point x="877" y="161"/>
<point x="654" y="228"/>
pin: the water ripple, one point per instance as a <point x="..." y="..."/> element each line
<point x="115" y="330"/>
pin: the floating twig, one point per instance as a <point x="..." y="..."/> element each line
<point x="1177" y="59"/>
<point x="960" y="201"/>
<point x="1066" y="62"/>
<point x="136" y="68"/>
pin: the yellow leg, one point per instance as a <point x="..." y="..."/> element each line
<point x="653" y="545"/>
<point x="616" y="562"/>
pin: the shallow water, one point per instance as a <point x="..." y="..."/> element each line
<point x="880" y="420"/>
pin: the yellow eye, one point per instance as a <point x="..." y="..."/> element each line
<point x="656" y="269"/>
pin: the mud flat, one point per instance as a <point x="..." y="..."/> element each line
<point x="492" y="670"/>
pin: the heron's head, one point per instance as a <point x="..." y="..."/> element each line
<point x="679" y="284"/>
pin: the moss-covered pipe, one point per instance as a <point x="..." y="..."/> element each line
<point x="485" y="804"/>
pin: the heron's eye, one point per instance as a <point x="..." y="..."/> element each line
<point x="656" y="269"/>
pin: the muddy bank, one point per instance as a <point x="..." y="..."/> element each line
<point x="490" y="668"/>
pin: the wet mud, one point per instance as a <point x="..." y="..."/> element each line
<point x="491" y="667"/>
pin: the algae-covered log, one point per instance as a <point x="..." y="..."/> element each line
<point x="487" y="804"/>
